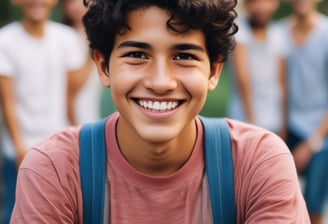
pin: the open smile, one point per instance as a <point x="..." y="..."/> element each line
<point x="160" y="106"/>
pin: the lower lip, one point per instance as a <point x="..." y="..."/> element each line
<point x="158" y="115"/>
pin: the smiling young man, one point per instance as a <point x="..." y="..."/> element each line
<point x="160" y="58"/>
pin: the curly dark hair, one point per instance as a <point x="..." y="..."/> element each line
<point x="107" y="18"/>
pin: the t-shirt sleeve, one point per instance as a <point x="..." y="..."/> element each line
<point x="266" y="183"/>
<point x="243" y="34"/>
<point x="75" y="52"/>
<point x="6" y="64"/>
<point x="48" y="185"/>
<point x="41" y="198"/>
<point x="274" y="195"/>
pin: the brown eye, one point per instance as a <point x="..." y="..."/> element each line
<point x="184" y="56"/>
<point x="136" y="54"/>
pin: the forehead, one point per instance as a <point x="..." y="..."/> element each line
<point x="151" y="25"/>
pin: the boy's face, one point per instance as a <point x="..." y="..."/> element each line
<point x="159" y="78"/>
<point x="261" y="11"/>
<point x="35" y="10"/>
<point x="303" y="7"/>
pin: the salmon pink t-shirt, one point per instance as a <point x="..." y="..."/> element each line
<point x="266" y="185"/>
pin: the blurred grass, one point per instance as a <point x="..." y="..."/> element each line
<point x="217" y="101"/>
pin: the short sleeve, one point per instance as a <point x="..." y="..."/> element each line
<point x="74" y="49"/>
<point x="6" y="62"/>
<point x="243" y="34"/>
<point x="48" y="184"/>
<point x="274" y="194"/>
<point x="266" y="184"/>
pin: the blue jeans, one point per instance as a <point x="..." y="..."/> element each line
<point x="8" y="178"/>
<point x="316" y="177"/>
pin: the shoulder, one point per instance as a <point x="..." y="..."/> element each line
<point x="324" y="24"/>
<point x="9" y="31"/>
<point x="58" y="153"/>
<point x="324" y="19"/>
<point x="55" y="26"/>
<point x="278" y="38"/>
<point x="244" y="34"/>
<point x="252" y="145"/>
<point x="62" y="32"/>
<point x="265" y="177"/>
<point x="282" y="24"/>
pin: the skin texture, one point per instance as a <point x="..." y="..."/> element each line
<point x="303" y="21"/>
<point x="174" y="67"/>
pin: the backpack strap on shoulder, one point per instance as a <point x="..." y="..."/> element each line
<point x="93" y="171"/>
<point x="219" y="170"/>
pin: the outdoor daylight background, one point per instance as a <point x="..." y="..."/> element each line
<point x="217" y="100"/>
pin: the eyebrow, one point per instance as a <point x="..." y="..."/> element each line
<point x="135" y="44"/>
<point x="187" y="46"/>
<point x="177" y="47"/>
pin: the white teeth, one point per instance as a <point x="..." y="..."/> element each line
<point x="150" y="104"/>
<point x="157" y="105"/>
<point x="162" y="106"/>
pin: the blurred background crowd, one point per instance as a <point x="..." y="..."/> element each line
<point x="276" y="78"/>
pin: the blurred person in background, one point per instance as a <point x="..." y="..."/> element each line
<point x="307" y="71"/>
<point x="258" y="71"/>
<point x="85" y="89"/>
<point x="36" y="56"/>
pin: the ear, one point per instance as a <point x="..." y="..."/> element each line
<point x="215" y="75"/>
<point x="101" y="64"/>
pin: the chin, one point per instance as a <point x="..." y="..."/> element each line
<point x="157" y="135"/>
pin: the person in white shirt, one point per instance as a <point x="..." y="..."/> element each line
<point x="306" y="35"/>
<point x="257" y="67"/>
<point x="85" y="96"/>
<point x="36" y="57"/>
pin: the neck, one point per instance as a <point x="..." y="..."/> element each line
<point x="259" y="30"/>
<point x="156" y="159"/>
<point x="35" y="29"/>
<point x="78" y="27"/>
<point x="307" y="20"/>
<point x="259" y="33"/>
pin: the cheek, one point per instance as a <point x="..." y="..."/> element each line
<point x="122" y="80"/>
<point x="196" y="84"/>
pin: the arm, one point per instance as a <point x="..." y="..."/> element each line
<point x="76" y="80"/>
<point x="283" y="87"/>
<point x="305" y="150"/>
<point x="7" y="100"/>
<point x="322" y="130"/>
<point x="239" y="61"/>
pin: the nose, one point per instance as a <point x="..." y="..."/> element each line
<point x="161" y="77"/>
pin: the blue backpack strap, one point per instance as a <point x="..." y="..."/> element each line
<point x="93" y="171"/>
<point x="219" y="169"/>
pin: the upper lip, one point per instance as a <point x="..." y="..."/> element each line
<point x="158" y="99"/>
